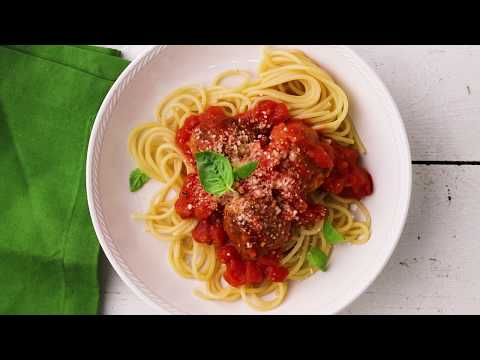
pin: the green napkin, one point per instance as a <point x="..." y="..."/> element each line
<point x="49" y="97"/>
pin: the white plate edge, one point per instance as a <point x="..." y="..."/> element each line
<point x="137" y="286"/>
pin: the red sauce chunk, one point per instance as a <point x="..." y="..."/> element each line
<point x="210" y="231"/>
<point x="251" y="227"/>
<point x="193" y="201"/>
<point x="348" y="178"/>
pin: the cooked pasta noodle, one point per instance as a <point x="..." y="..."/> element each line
<point x="311" y="94"/>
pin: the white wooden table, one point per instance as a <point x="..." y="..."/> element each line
<point x="436" y="266"/>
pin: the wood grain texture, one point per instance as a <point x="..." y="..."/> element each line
<point x="435" y="268"/>
<point x="437" y="89"/>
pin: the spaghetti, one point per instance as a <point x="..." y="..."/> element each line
<point x="311" y="95"/>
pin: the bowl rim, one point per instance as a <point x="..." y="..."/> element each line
<point x="92" y="162"/>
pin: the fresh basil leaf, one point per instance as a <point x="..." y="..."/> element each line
<point x="137" y="179"/>
<point x="245" y="171"/>
<point x="317" y="258"/>
<point x="331" y="234"/>
<point x="215" y="172"/>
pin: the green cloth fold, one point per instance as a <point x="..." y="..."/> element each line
<point x="49" y="97"/>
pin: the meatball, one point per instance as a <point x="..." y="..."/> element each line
<point x="254" y="226"/>
<point x="224" y="136"/>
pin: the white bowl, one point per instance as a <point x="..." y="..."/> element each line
<point x="141" y="260"/>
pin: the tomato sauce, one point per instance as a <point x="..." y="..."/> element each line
<point x="250" y="227"/>
<point x="348" y="178"/>
<point x="193" y="201"/>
